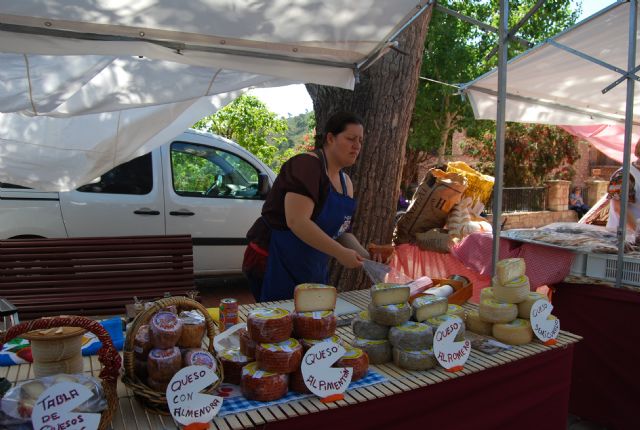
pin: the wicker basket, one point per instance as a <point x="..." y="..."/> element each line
<point x="154" y="400"/>
<point x="107" y="355"/>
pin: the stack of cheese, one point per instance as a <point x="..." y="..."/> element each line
<point x="504" y="308"/>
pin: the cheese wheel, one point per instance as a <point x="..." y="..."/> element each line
<point x="515" y="291"/>
<point x="232" y="363"/>
<point x="270" y="325"/>
<point x="198" y="357"/>
<point x="487" y="293"/>
<point x="140" y="368"/>
<point x="516" y="332"/>
<point x="314" y="325"/>
<point x="357" y="359"/>
<point x="389" y="294"/>
<point x="247" y="345"/>
<point x="281" y="357"/>
<point x="494" y="311"/>
<point x="262" y="386"/>
<point x="32" y="389"/>
<point x="524" y="308"/>
<point x="296" y="382"/>
<point x="390" y="315"/>
<point x="378" y="351"/>
<point x="314" y="297"/>
<point x="411" y="336"/>
<point x="457" y="311"/>
<point x="193" y="329"/>
<point x="414" y="360"/>
<point x="476" y="325"/>
<point x="440" y="319"/>
<point x="162" y="364"/>
<point x="509" y="269"/>
<point x="70" y="366"/>
<point x="160" y="386"/>
<point x="165" y="330"/>
<point x="363" y="327"/>
<point x="308" y="343"/>
<point x="142" y="343"/>
<point x="425" y="307"/>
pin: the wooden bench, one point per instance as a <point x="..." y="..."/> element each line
<point x="94" y="275"/>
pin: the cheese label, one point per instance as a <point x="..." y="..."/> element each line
<point x="371" y="342"/>
<point x="316" y="315"/>
<point x="386" y="286"/>
<point x="450" y="354"/>
<point x="518" y="282"/>
<point x="454" y="309"/>
<point x="233" y="355"/>
<point x="334" y="339"/>
<point x="518" y="322"/>
<point x="320" y="377"/>
<point x="269" y="313"/>
<point x="364" y="315"/>
<point x="253" y="370"/>
<point x="353" y="353"/>
<point x="427" y="300"/>
<point x="394" y="307"/>
<point x="496" y="304"/>
<point x="413" y="327"/>
<point x="288" y="346"/>
<point x="545" y="326"/>
<point x="54" y="408"/>
<point x="187" y="404"/>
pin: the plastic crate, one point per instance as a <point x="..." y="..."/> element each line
<point x="579" y="265"/>
<point x="605" y="267"/>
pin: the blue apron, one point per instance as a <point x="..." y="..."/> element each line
<point x="292" y="262"/>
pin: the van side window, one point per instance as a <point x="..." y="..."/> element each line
<point x="203" y="171"/>
<point x="132" y="177"/>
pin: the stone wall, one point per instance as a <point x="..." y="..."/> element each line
<point x="536" y="219"/>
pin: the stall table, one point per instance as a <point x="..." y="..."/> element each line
<point x="525" y="387"/>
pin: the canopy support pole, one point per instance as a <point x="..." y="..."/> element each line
<point x="628" y="121"/>
<point x="500" y="128"/>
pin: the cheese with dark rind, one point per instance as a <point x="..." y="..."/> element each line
<point x="411" y="336"/>
<point x="378" y="351"/>
<point x="314" y="325"/>
<point x="281" y="357"/>
<point x="142" y="343"/>
<point x="357" y="359"/>
<point x="516" y="332"/>
<point x="193" y="329"/>
<point x="475" y="324"/>
<point x="165" y="330"/>
<point x="296" y="383"/>
<point x="263" y="386"/>
<point x="270" y="325"/>
<point x="524" y="307"/>
<point x="435" y="322"/>
<point x="414" y="360"/>
<point x="247" y="345"/>
<point x="389" y="294"/>
<point x="198" y="357"/>
<point x="364" y="327"/>
<point x="232" y="363"/>
<point x="314" y="297"/>
<point x="162" y="364"/>
<point x="494" y="311"/>
<point x="390" y="315"/>
<point x="429" y="306"/>
<point x="308" y="343"/>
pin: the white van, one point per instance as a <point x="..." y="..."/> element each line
<point x="199" y="184"/>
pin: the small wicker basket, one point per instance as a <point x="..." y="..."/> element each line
<point x="151" y="399"/>
<point x="107" y="354"/>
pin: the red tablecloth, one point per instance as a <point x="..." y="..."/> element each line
<point x="606" y="372"/>
<point x="532" y="393"/>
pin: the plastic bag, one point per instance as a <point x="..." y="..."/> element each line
<point x="381" y="273"/>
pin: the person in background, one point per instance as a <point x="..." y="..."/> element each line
<point x="614" y="192"/>
<point x="307" y="216"/>
<point x="576" y="202"/>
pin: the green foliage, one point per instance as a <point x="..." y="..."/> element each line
<point x="192" y="173"/>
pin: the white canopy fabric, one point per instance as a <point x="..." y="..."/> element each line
<point x="549" y="85"/>
<point x="85" y="86"/>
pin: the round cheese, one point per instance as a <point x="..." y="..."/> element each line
<point x="247" y="345"/>
<point x="516" y="332"/>
<point x="356" y="359"/>
<point x="162" y="364"/>
<point x="378" y="351"/>
<point x="232" y="363"/>
<point x="270" y="325"/>
<point x="428" y="306"/>
<point x="165" y="330"/>
<point x="436" y="321"/>
<point x="193" y="330"/>
<point x="69" y="366"/>
<point x="515" y="291"/>
<point x="281" y="357"/>
<point x="457" y="311"/>
<point x="412" y="336"/>
<point x="476" y="325"/>
<point x="263" y="386"/>
<point x="362" y="326"/>
<point x="308" y="343"/>
<point x="509" y="269"/>
<point x="414" y="360"/>
<point x="494" y="311"/>
<point x="314" y="325"/>
<point x="487" y="293"/>
<point x="296" y="383"/>
<point x="142" y="343"/>
<point x="390" y="315"/>
<point x="389" y="294"/>
<point x="198" y="357"/>
<point x="160" y="386"/>
<point x="524" y="308"/>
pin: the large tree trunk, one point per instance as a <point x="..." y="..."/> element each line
<point x="384" y="97"/>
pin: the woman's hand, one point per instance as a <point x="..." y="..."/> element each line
<point x="381" y="258"/>
<point x="349" y="258"/>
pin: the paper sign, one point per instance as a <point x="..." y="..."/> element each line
<point x="320" y="378"/>
<point x="450" y="354"/>
<point x="545" y="326"/>
<point x="186" y="402"/>
<point x="54" y="407"/>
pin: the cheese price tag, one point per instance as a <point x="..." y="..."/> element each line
<point x="186" y="402"/>
<point x="450" y="354"/>
<point x="53" y="409"/>
<point x="545" y="326"/>
<point x="321" y="379"/>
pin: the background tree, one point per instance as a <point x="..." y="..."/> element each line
<point x="383" y="97"/>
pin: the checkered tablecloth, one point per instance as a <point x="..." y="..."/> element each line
<point x="236" y="403"/>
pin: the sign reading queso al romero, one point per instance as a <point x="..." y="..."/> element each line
<point x="53" y="409"/>
<point x="186" y="402"/>
<point x="450" y="354"/>
<point x="321" y="379"/>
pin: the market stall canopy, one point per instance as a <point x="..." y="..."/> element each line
<point x="551" y="85"/>
<point x="85" y="86"/>
<point x="608" y="139"/>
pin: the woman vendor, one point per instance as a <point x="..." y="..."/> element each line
<point x="307" y="216"/>
<point x="614" y="193"/>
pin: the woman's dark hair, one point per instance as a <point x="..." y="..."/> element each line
<point x="336" y="125"/>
